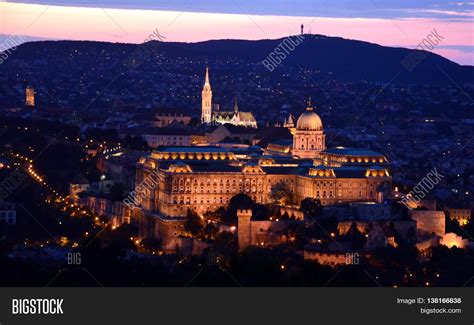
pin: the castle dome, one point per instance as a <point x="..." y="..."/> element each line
<point x="309" y="121"/>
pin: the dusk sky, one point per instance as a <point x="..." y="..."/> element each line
<point x="392" y="23"/>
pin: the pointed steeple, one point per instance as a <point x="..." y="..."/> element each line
<point x="289" y="123"/>
<point x="206" y="82"/>
<point x="206" y="108"/>
<point x="236" y="106"/>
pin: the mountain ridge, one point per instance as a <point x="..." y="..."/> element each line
<point x="344" y="59"/>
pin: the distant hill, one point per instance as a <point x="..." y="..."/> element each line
<point x="340" y="59"/>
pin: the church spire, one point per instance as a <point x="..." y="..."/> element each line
<point x="236" y="106"/>
<point x="206" y="106"/>
<point x="206" y="82"/>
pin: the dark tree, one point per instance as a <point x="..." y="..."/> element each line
<point x="282" y="194"/>
<point x="311" y="207"/>
<point x="117" y="192"/>
<point x="355" y="237"/>
<point x="193" y="223"/>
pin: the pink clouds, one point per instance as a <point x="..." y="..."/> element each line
<point x="121" y="25"/>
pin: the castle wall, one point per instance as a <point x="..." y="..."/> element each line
<point x="430" y="221"/>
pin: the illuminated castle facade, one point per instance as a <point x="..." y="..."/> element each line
<point x="235" y="117"/>
<point x="206" y="178"/>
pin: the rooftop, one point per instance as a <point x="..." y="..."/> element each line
<point x="350" y="151"/>
<point x="193" y="149"/>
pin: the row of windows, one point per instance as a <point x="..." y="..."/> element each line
<point x="209" y="200"/>
<point x="188" y="200"/>
<point x="329" y="194"/>
<point x="234" y="189"/>
<point x="228" y="181"/>
<point x="4" y="214"/>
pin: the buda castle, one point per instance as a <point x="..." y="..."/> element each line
<point x="204" y="178"/>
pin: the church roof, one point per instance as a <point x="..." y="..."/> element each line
<point x="246" y="116"/>
<point x="192" y="149"/>
<point x="241" y="116"/>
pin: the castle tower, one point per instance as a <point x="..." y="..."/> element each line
<point x="30" y="97"/>
<point x="243" y="228"/>
<point x="206" y="108"/>
<point x="309" y="138"/>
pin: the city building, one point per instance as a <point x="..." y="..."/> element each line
<point x="259" y="232"/>
<point x="30" y="97"/>
<point x="463" y="216"/>
<point x="309" y="138"/>
<point x="204" y="178"/>
<point x="171" y="136"/>
<point x="165" y="118"/>
<point x="8" y="212"/>
<point x="229" y="132"/>
<point x="235" y="117"/>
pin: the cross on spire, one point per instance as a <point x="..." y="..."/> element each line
<point x="310" y="106"/>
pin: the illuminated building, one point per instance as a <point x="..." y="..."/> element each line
<point x="206" y="113"/>
<point x="235" y="117"/>
<point x="205" y="178"/>
<point x="462" y="216"/>
<point x="309" y="138"/>
<point x="30" y="97"/>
